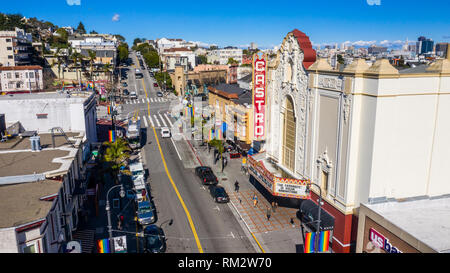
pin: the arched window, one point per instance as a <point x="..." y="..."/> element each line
<point x="289" y="128"/>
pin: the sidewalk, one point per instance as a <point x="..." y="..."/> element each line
<point x="275" y="236"/>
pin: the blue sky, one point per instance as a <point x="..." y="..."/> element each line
<point x="238" y="23"/>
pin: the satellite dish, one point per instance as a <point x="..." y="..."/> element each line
<point x="73" y="247"/>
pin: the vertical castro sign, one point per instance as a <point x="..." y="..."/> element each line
<point x="259" y="94"/>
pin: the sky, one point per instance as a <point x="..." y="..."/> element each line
<point x="238" y="23"/>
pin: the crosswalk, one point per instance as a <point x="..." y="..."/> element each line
<point x="156" y="120"/>
<point x="146" y="100"/>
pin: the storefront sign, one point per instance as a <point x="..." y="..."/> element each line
<point x="259" y="94"/>
<point x="120" y="244"/>
<point x="382" y="242"/>
<point x="291" y="188"/>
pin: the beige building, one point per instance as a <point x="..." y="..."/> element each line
<point x="198" y="80"/>
<point x="15" y="47"/>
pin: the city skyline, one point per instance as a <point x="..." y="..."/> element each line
<point x="362" y="25"/>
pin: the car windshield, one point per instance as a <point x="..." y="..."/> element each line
<point x="220" y="191"/>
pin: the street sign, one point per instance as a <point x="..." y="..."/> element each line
<point x="120" y="244"/>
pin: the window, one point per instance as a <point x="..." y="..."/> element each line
<point x="8" y="40"/>
<point x="8" y="75"/>
<point x="18" y="85"/>
<point x="8" y="48"/>
<point x="17" y="75"/>
<point x="10" y="56"/>
<point x="289" y="136"/>
<point x="29" y="249"/>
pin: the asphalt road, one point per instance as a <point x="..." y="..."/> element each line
<point x="214" y="225"/>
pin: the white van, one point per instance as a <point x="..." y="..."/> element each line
<point x="133" y="95"/>
<point x="165" y="132"/>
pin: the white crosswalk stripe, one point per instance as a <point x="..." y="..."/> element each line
<point x="147" y="100"/>
<point x="165" y="125"/>
<point x="145" y="122"/>
<point x="168" y="119"/>
<point x="151" y="99"/>
<point x="151" y="120"/>
<point x="157" y="121"/>
<point x="143" y="101"/>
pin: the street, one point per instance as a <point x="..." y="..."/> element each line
<point x="199" y="224"/>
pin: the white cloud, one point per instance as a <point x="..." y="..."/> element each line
<point x="116" y="17"/>
<point x="363" y="43"/>
<point x="73" y="2"/>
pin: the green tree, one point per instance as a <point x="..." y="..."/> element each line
<point x="92" y="55"/>
<point x="232" y="61"/>
<point x="161" y="76"/>
<point x="218" y="144"/>
<point x="202" y="59"/>
<point x="137" y="41"/>
<point x="151" y="59"/>
<point x="119" y="37"/>
<point x="123" y="52"/>
<point x="340" y="59"/>
<point x="80" y="29"/>
<point x="116" y="155"/>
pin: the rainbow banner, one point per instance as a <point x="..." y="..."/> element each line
<point x="309" y="242"/>
<point x="63" y="85"/>
<point x="210" y="134"/>
<point x="112" y="136"/>
<point x="103" y="246"/>
<point x="324" y="241"/>
<point x="109" y="110"/>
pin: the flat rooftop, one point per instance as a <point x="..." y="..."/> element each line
<point x="46" y="95"/>
<point x="18" y="143"/>
<point x="24" y="163"/>
<point x="21" y="204"/>
<point x="428" y="220"/>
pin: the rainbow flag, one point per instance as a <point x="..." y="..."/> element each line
<point x="324" y="241"/>
<point x="112" y="136"/>
<point x="63" y="85"/>
<point x="210" y="134"/>
<point x="310" y="239"/>
<point x="103" y="246"/>
<point x="109" y="110"/>
<point x="186" y="111"/>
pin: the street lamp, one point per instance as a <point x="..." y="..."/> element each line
<point x="316" y="243"/>
<point x="108" y="207"/>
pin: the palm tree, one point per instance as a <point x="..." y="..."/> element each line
<point x="116" y="155"/>
<point x="107" y="70"/>
<point x="56" y="55"/>
<point x="75" y="57"/>
<point x="92" y="57"/>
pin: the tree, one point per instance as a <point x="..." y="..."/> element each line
<point x="232" y="61"/>
<point x="137" y="41"/>
<point x="80" y="29"/>
<point x="92" y="55"/>
<point x="151" y="59"/>
<point x="202" y="59"/>
<point x="75" y="57"/>
<point x="123" y="52"/>
<point x="340" y="59"/>
<point x="116" y="155"/>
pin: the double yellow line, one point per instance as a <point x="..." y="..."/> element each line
<point x="191" y="223"/>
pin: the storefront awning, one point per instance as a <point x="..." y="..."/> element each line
<point x="308" y="214"/>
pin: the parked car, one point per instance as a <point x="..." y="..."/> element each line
<point x="146" y="213"/>
<point x="206" y="175"/>
<point x="155" y="84"/>
<point x="165" y="132"/>
<point x="124" y="84"/>
<point x="219" y="194"/>
<point x="154" y="239"/>
<point x="159" y="94"/>
<point x="125" y="92"/>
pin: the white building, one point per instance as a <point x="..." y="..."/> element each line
<point x="222" y="55"/>
<point x="165" y="43"/>
<point x="21" y="79"/>
<point x="178" y="56"/>
<point x="42" y="111"/>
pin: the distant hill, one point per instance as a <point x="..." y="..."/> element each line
<point x="31" y="25"/>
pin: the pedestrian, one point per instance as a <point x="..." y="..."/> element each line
<point x="236" y="186"/>
<point x="255" y="200"/>
<point x="276" y="206"/>
<point x="226" y="161"/>
<point x="223" y="163"/>
<point x="268" y="213"/>
<point x="273" y="206"/>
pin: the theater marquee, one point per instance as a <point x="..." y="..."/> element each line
<point x="259" y="94"/>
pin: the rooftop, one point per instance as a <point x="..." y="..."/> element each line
<point x="232" y="92"/>
<point x="23" y="67"/>
<point x="47" y="95"/>
<point x="21" y="204"/>
<point x="428" y="220"/>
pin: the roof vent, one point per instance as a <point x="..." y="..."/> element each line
<point x="35" y="143"/>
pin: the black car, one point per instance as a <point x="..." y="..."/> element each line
<point x="125" y="92"/>
<point x="219" y="194"/>
<point x="154" y="239"/>
<point x="206" y="175"/>
<point x="159" y="94"/>
<point x="124" y="84"/>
